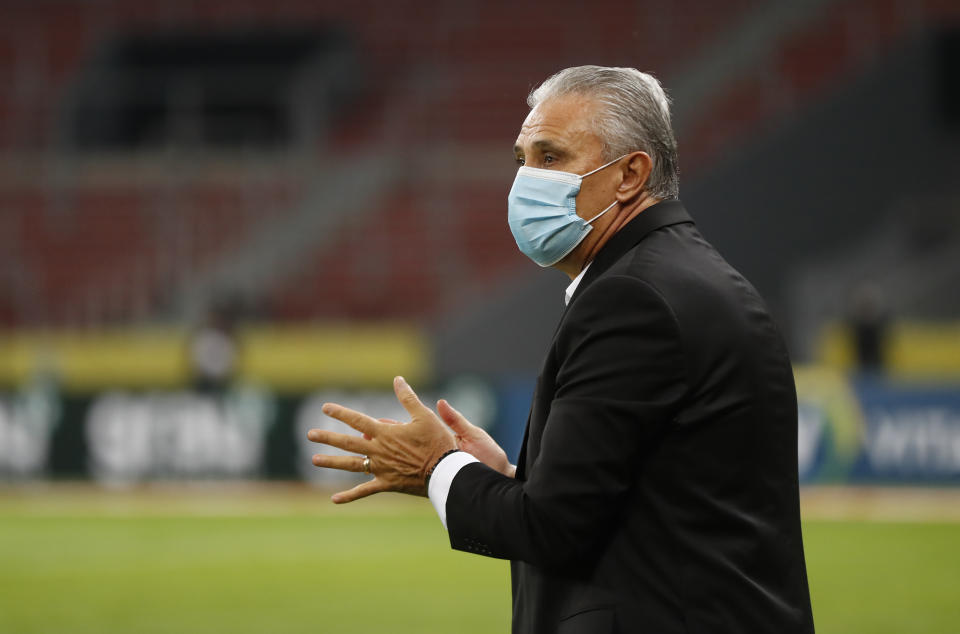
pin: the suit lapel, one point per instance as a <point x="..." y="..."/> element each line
<point x="663" y="214"/>
<point x="668" y="212"/>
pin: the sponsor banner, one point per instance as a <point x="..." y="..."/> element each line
<point x="873" y="430"/>
<point x="27" y="422"/>
<point x="860" y="431"/>
<point x="175" y="435"/>
<point x="910" y="434"/>
<point x="122" y="437"/>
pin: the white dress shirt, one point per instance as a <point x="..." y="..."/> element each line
<point x="444" y="473"/>
<point x="572" y="288"/>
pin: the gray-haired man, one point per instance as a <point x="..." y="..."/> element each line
<point x="656" y="490"/>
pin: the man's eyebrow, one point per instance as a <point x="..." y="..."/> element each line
<point x="548" y="145"/>
<point x="544" y="145"/>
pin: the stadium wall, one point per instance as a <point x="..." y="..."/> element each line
<point x="857" y="429"/>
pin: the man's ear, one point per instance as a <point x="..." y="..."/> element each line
<point x="636" y="173"/>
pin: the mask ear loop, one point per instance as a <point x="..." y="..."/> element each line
<point x="594" y="172"/>
<point x="602" y="167"/>
<point x="602" y="212"/>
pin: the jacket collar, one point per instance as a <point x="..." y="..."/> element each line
<point x="663" y="214"/>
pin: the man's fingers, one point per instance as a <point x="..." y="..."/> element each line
<point x="454" y="419"/>
<point x="358" y="420"/>
<point x="353" y="444"/>
<point x="408" y="398"/>
<point x="357" y="492"/>
<point x="385" y="421"/>
<point x="343" y="463"/>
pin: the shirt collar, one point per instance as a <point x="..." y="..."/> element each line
<point x="662" y="214"/>
<point x="568" y="294"/>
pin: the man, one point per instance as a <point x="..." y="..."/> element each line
<point x="656" y="490"/>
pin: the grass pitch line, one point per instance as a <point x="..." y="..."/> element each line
<point x="880" y="504"/>
<point x="242" y="499"/>
<point x="201" y="499"/>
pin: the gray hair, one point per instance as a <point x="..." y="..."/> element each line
<point x="634" y="116"/>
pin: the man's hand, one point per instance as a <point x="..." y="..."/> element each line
<point x="475" y="441"/>
<point x="400" y="454"/>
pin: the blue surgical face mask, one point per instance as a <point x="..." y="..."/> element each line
<point x="542" y="212"/>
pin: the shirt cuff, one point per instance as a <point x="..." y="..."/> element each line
<point x="442" y="479"/>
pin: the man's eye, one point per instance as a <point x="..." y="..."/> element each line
<point x="520" y="161"/>
<point x="547" y="159"/>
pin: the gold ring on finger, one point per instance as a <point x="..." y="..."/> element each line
<point x="366" y="464"/>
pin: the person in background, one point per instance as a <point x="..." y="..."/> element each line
<point x="214" y="349"/>
<point x="869" y="322"/>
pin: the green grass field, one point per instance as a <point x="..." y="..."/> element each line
<point x="79" y="560"/>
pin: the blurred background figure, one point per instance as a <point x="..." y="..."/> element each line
<point x="214" y="349"/>
<point x="869" y="322"/>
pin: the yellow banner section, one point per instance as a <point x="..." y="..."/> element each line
<point x="283" y="358"/>
<point x="303" y="358"/>
<point x="913" y="350"/>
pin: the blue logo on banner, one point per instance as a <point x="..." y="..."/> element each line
<point x="911" y="433"/>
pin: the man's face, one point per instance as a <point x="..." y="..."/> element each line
<point x="558" y="134"/>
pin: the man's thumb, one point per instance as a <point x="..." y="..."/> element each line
<point x="407" y="397"/>
<point x="454" y="419"/>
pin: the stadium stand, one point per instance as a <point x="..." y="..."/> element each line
<point x="95" y="239"/>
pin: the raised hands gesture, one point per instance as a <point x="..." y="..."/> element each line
<point x="400" y="455"/>
<point x="397" y="455"/>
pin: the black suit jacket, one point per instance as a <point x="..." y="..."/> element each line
<point x="656" y="490"/>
